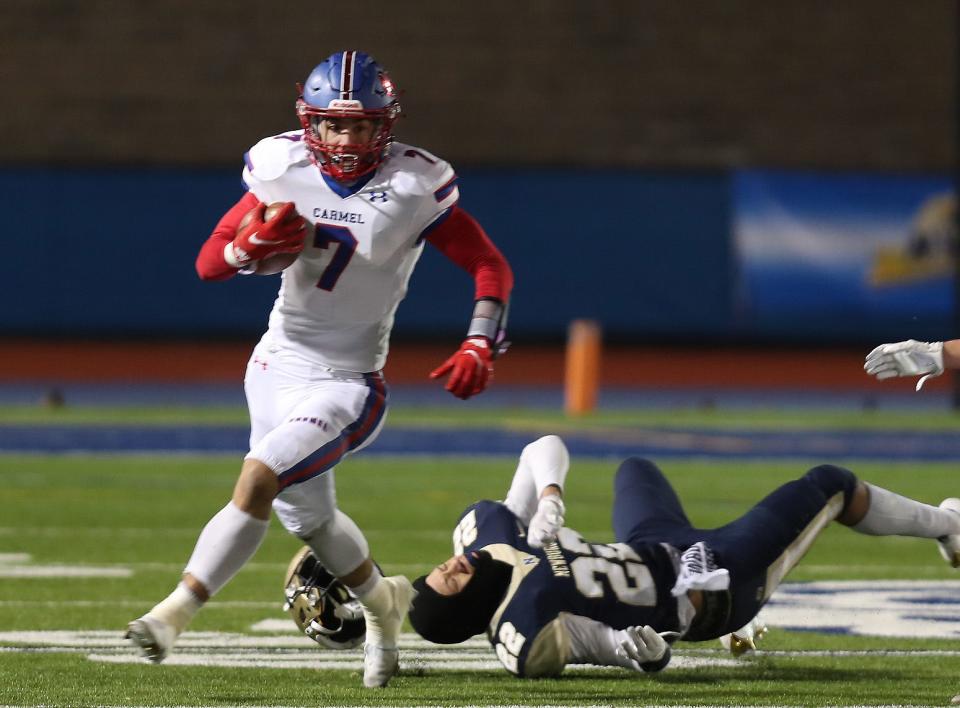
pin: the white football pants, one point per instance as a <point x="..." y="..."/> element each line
<point x="304" y="418"/>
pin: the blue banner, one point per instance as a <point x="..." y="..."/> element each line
<point x="844" y="256"/>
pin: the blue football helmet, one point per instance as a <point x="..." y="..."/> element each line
<point x="348" y="84"/>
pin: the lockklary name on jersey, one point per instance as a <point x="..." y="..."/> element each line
<point x="558" y="563"/>
<point x="351" y="217"/>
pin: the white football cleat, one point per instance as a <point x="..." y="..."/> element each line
<point x="379" y="665"/>
<point x="381" y="659"/>
<point x="950" y="544"/>
<point x="745" y="639"/>
<point x="152" y="637"/>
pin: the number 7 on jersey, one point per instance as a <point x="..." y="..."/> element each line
<point x="326" y="234"/>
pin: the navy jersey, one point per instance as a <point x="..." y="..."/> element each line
<point x="614" y="583"/>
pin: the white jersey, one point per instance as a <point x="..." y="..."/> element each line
<point x="337" y="301"/>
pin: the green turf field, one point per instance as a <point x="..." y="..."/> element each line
<point x="130" y="522"/>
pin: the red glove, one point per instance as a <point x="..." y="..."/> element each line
<point x="471" y="367"/>
<point x="282" y="232"/>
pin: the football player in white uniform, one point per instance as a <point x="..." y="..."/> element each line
<point x="357" y="208"/>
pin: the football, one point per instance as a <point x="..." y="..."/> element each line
<point x="275" y="263"/>
<point x="278" y="261"/>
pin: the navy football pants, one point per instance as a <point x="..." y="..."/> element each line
<point x="758" y="548"/>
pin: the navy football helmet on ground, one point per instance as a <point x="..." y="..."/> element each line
<point x="348" y="84"/>
<point x="321" y="605"/>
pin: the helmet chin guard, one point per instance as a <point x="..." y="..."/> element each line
<point x="321" y="605"/>
<point x="348" y="84"/>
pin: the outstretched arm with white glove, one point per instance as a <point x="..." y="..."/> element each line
<point x="913" y="358"/>
<point x="634" y="648"/>
<point x="536" y="493"/>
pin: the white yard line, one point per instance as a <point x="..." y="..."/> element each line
<point x="62" y="571"/>
<point x="294" y="651"/>
<point x="7" y="558"/>
<point x="142" y="602"/>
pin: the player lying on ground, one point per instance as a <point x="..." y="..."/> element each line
<point x="547" y="598"/>
<point x="314" y="384"/>
<point x="913" y="358"/>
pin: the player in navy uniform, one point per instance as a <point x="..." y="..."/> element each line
<point x="547" y="598"/>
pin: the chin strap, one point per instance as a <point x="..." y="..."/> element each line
<point x="489" y="320"/>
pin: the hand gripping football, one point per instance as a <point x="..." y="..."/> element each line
<point x="274" y="263"/>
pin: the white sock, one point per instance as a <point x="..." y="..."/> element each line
<point x="377" y="599"/>
<point x="226" y="543"/>
<point x="367" y="585"/>
<point x="339" y="544"/>
<point x="178" y="608"/>
<point x="890" y="514"/>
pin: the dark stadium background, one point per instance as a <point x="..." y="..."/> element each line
<point x="596" y="142"/>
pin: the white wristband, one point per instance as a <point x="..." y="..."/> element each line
<point x="235" y="256"/>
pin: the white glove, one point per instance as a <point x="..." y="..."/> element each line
<point x="546" y="522"/>
<point x="909" y="358"/>
<point x="643" y="649"/>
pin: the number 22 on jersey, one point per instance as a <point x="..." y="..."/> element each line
<point x="628" y="577"/>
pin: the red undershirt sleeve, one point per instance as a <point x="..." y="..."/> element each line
<point x="210" y="262"/>
<point x="461" y="239"/>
